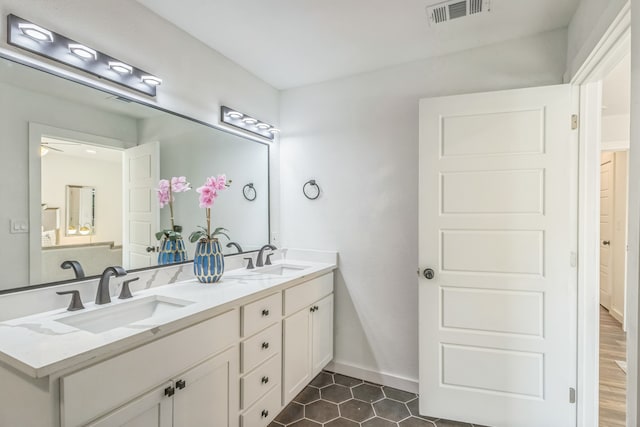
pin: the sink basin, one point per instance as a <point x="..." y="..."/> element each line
<point x="282" y="269"/>
<point x="117" y="315"/>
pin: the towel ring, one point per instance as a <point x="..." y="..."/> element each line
<point x="305" y="191"/>
<point x="249" y="192"/>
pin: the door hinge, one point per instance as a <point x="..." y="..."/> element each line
<point x="573" y="259"/>
<point x="572" y="395"/>
<point x="574" y="121"/>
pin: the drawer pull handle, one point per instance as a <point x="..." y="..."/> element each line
<point x="312" y="309"/>
<point x="181" y="384"/>
<point x="169" y="391"/>
<point x="265" y="345"/>
<point x="265" y="380"/>
<point x="316" y="308"/>
<point x="265" y="413"/>
<point x="265" y="313"/>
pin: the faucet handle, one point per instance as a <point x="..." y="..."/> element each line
<point x="76" y="302"/>
<point x="125" y="292"/>
<point x="249" y="263"/>
<point x="268" y="261"/>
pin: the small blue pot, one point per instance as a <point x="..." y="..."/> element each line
<point x="172" y="251"/>
<point x="208" y="262"/>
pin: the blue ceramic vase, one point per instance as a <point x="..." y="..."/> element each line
<point x="172" y="251"/>
<point x="208" y="262"/>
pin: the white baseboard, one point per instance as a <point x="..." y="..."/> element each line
<point x="616" y="314"/>
<point x="383" y="378"/>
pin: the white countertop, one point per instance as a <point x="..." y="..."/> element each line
<point x="39" y="346"/>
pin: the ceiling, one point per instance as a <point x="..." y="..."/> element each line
<point x="616" y="90"/>
<point x="290" y="43"/>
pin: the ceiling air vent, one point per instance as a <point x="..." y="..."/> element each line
<point x="446" y="11"/>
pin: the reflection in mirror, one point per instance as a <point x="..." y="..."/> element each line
<point x="80" y="208"/>
<point x="117" y="151"/>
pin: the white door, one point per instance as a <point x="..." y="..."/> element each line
<point x="497" y="320"/>
<point x="208" y="395"/>
<point x="141" y="173"/>
<point x="606" y="228"/>
<point x="322" y="334"/>
<point x="153" y="409"/>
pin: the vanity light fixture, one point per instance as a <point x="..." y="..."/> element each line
<point x="120" y="67"/>
<point x="36" y="39"/>
<point x="35" y="32"/>
<point x="151" y="80"/>
<point x="247" y="123"/>
<point x="83" y="51"/>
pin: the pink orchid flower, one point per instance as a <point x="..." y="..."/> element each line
<point x="179" y="184"/>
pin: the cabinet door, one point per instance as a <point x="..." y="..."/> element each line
<point x="322" y="341"/>
<point x="153" y="409"/>
<point x="296" y="353"/>
<point x="208" y="394"/>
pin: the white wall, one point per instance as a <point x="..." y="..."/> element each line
<point x="60" y="170"/>
<point x="358" y="137"/>
<point x="591" y="20"/>
<point x="196" y="81"/>
<point x="619" y="240"/>
<point x="615" y="129"/>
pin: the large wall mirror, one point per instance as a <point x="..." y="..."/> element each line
<point x="80" y="169"/>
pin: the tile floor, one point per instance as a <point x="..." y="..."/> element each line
<point x="334" y="400"/>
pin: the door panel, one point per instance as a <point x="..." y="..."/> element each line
<point x="606" y="228"/>
<point x="142" y="215"/>
<point x="496" y="331"/>
<point x="153" y="409"/>
<point x="296" y="353"/>
<point x="322" y="334"/>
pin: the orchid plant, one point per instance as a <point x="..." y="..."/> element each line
<point x="165" y="191"/>
<point x="208" y="194"/>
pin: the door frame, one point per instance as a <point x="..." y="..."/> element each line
<point x="611" y="48"/>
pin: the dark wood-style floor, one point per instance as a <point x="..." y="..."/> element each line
<point x="613" y="346"/>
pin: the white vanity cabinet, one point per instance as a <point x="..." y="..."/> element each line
<point x="200" y="364"/>
<point x="202" y="396"/>
<point x="307" y="333"/>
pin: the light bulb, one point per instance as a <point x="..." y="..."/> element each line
<point x="151" y="80"/>
<point x="263" y="126"/>
<point x="235" y="115"/>
<point x="83" y="51"/>
<point x="249" y="121"/>
<point x="120" y="67"/>
<point x="36" y="32"/>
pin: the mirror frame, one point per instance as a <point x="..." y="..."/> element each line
<point x="88" y="82"/>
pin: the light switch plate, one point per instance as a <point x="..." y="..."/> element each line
<point x="19" y="226"/>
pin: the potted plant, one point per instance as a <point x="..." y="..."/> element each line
<point x="208" y="261"/>
<point x="172" y="247"/>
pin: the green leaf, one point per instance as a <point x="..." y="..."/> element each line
<point x="159" y="235"/>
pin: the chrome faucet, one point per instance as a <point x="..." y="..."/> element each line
<point x="259" y="261"/>
<point x="103" y="296"/>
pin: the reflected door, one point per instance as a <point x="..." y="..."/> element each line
<point x="141" y="175"/>
<point x="497" y="306"/>
<point x="606" y="228"/>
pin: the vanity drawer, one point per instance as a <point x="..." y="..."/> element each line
<point x="260" y="347"/>
<point x="265" y="410"/>
<point x="260" y="380"/>
<point x="305" y="294"/>
<point x="93" y="391"/>
<point x="260" y="314"/>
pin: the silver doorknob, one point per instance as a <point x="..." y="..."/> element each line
<point x="428" y="273"/>
<point x="606" y="242"/>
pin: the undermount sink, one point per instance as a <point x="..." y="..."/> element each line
<point x="115" y="316"/>
<point x="282" y="269"/>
